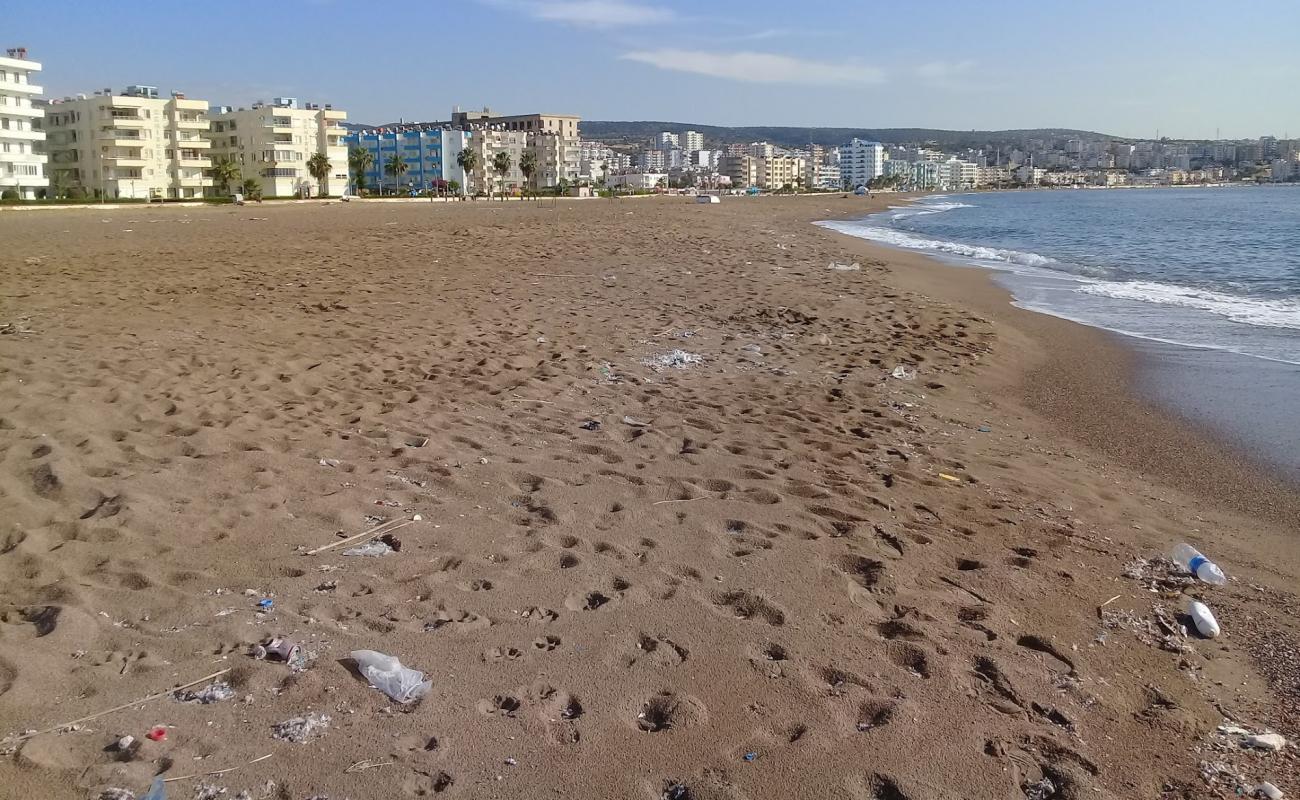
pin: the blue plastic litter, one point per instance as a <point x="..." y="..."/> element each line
<point x="265" y="604"/>
<point x="157" y="790"/>
<point x="750" y="756"/>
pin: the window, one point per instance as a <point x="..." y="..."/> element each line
<point x="6" y="147"/>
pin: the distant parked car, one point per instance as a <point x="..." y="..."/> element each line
<point x="707" y="198"/>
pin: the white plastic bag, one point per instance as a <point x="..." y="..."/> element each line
<point x="387" y="674"/>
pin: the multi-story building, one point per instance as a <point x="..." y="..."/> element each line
<point x="553" y="138"/>
<point x="742" y="170"/>
<point x="692" y="141"/>
<point x="22" y="168"/>
<point x="132" y="144"/>
<point x="652" y="161"/>
<point x="778" y="172"/>
<point x="960" y="174"/>
<point x="667" y="141"/>
<point x="760" y="149"/>
<point x="430" y="155"/>
<point x="487" y="142"/>
<point x="273" y="143"/>
<point x="862" y="161"/>
<point x="565" y="125"/>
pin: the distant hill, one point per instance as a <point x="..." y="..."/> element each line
<point x="638" y="131"/>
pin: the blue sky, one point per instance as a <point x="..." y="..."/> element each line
<point x="1183" y="67"/>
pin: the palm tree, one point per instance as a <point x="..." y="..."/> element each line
<point x="467" y="160"/>
<point x="501" y="165"/>
<point x="528" y="165"/>
<point x="251" y="189"/>
<point x="395" y="167"/>
<point x="224" y="172"/>
<point x="360" y="160"/>
<point x="319" y="166"/>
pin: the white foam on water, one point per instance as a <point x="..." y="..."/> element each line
<point x="909" y="241"/>
<point x="1246" y="310"/>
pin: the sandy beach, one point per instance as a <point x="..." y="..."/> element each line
<point x="713" y="503"/>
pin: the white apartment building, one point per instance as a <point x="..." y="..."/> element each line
<point x="692" y="141"/>
<point x="22" y="169"/>
<point x="133" y="144"/>
<point x="960" y="174"/>
<point x="667" y="141"/>
<point x="273" y="143"/>
<point x="487" y="141"/>
<point x="861" y="161"/>
<point x="652" y="161"/>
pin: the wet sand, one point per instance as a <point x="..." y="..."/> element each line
<point x="800" y="577"/>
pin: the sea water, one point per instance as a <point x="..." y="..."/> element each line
<point x="1207" y="280"/>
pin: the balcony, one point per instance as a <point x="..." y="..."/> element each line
<point x="119" y="139"/>
<point x="195" y="182"/>
<point x="334" y="113"/>
<point x="127" y="122"/>
<point x="191" y="123"/>
<point x="21" y="111"/>
<point x="196" y="162"/>
<point x="125" y="162"/>
<point x="13" y="134"/>
<point x="14" y="87"/>
<point x="190" y="142"/>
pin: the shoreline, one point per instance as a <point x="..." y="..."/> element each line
<point x="1146" y="433"/>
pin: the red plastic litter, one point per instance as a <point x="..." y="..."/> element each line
<point x="157" y="733"/>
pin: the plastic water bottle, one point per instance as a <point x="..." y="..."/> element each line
<point x="1203" y="618"/>
<point x="1190" y="559"/>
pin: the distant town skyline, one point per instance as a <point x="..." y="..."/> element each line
<point x="1149" y="69"/>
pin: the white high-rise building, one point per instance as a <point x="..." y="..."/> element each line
<point x="273" y="143"/>
<point x="667" y="141"/>
<point x="861" y="161"/>
<point x="22" y="170"/>
<point x="692" y="141"/>
<point x="132" y="144"/>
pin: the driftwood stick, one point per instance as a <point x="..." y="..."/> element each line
<point x="215" y="772"/>
<point x="124" y="705"/>
<point x="555" y="275"/>
<point x="375" y="531"/>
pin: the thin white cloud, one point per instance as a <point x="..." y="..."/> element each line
<point x="944" y="72"/>
<point x="752" y="67"/>
<point x="592" y="13"/>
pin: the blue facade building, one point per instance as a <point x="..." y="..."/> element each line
<point x="429" y="153"/>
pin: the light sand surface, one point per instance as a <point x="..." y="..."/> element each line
<point x="797" y="557"/>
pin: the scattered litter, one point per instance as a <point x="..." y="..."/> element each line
<point x="157" y="733"/>
<point x="1162" y="630"/>
<point x="635" y="423"/>
<point x="329" y="462"/>
<point x="157" y="790"/>
<point x="948" y="477"/>
<point x="372" y="548"/>
<point x="590" y="425"/>
<point x="212" y="693"/>
<point x="300" y="730"/>
<point x="512" y="762"/>
<point x="1264" y="741"/>
<point x="1190" y="559"/>
<point x="752" y="348"/>
<point x="387" y="674"/>
<point x="416" y="441"/>
<point x="379" y="525"/>
<point x="841" y="267"/>
<point x="115" y="793"/>
<point x="750" y="756"/>
<point x="607" y="373"/>
<point x="1158" y="574"/>
<point x="1043" y="790"/>
<point x="208" y="791"/>
<point x="1268" y="791"/>
<point x="674" y="359"/>
<point x="984" y="429"/>
<point x="1203" y="619"/>
<point x="265" y="603"/>
<point x="278" y="648"/>
<point x="903" y="373"/>
<point x="124" y="744"/>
